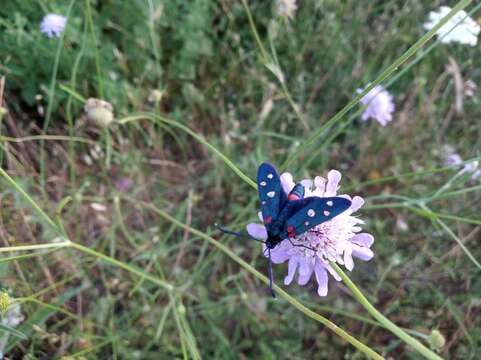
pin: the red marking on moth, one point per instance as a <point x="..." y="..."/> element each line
<point x="292" y="197"/>
<point x="291" y="234"/>
<point x="290" y="229"/>
<point x="268" y="220"/>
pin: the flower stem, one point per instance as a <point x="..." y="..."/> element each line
<point x="388" y="324"/>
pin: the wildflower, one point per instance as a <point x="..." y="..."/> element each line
<point x="53" y="25"/>
<point x="336" y="240"/>
<point x="11" y="317"/>
<point x="99" y="112"/>
<point x="380" y="105"/>
<point x="286" y="8"/>
<point x="464" y="29"/>
<point x="451" y="158"/>
<point x="123" y="184"/>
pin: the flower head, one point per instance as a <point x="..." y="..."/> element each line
<point x="465" y="30"/>
<point x="380" y="105"/>
<point x="99" y="112"/>
<point x="53" y="25"/>
<point x="336" y="240"/>
<point x="451" y="158"/>
<point x="286" y="8"/>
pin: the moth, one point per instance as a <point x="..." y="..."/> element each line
<point x="287" y="216"/>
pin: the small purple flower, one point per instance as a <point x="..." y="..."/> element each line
<point x="380" y="105"/>
<point x="336" y="240"/>
<point x="123" y="184"/>
<point x="53" y="25"/>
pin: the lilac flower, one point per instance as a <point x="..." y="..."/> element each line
<point x="460" y="28"/>
<point x="53" y="25"/>
<point x="380" y="105"/>
<point x="336" y="240"/>
<point x="451" y="158"/>
<point x="123" y="184"/>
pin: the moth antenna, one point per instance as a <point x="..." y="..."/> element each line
<point x="271" y="278"/>
<point x="237" y="234"/>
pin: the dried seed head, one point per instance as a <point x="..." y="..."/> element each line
<point x="99" y="112"/>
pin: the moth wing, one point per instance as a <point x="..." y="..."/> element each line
<point x="313" y="211"/>
<point x="271" y="194"/>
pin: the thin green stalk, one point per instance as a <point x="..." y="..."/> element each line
<point x="51" y="95"/>
<point x="47" y="137"/>
<point x="96" y="49"/>
<point x="308" y="312"/>
<point x="36" y="246"/>
<point x="384" y="321"/>
<point x="383" y="76"/>
<point x="199" y="138"/>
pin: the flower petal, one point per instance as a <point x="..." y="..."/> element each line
<point x="257" y="231"/>
<point x="356" y="204"/>
<point x="320" y="184"/>
<point x="322" y="280"/>
<point x="305" y="273"/>
<point x="291" y="270"/>
<point x="362" y="253"/>
<point x="348" y="262"/>
<point x="280" y="254"/>
<point x="333" y="272"/>
<point x="363" y="239"/>
<point x="333" y="179"/>
<point x="287" y="182"/>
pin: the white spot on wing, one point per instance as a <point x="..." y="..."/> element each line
<point x="326" y="213"/>
<point x="311" y="213"/>
<point x="270" y="176"/>
<point x="262" y="183"/>
<point x="330" y="203"/>
<point x="263" y="202"/>
<point x="271" y="194"/>
<point x="306" y="223"/>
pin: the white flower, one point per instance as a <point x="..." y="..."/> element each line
<point x="466" y="32"/>
<point x="286" y="8"/>
<point x="53" y="25"/>
<point x="336" y="240"/>
<point x="380" y="105"/>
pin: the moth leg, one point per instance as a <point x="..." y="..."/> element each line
<point x="271" y="280"/>
<point x="300" y="245"/>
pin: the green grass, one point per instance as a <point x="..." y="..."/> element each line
<point x="149" y="277"/>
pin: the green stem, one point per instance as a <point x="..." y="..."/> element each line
<point x="384" y="321"/>
<point x="298" y="305"/>
<point x="97" y="56"/>
<point x="36" y="246"/>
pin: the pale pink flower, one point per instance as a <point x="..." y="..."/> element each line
<point x="53" y="25"/>
<point x="336" y="240"/>
<point x="380" y="105"/>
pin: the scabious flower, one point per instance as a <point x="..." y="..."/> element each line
<point x="380" y="105"/>
<point x="336" y="240"/>
<point x="466" y="32"/>
<point x="53" y="25"/>
<point x="451" y="158"/>
<point x="286" y="8"/>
